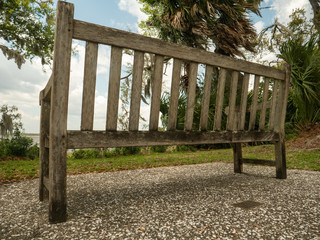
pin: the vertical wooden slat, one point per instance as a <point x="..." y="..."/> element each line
<point x="44" y="152"/>
<point x="192" y="83"/>
<point x="273" y="104"/>
<point x="138" y="64"/>
<point x="286" y="84"/>
<point x="262" y="119"/>
<point x="89" y="86"/>
<point x="254" y="104"/>
<point x="243" y="103"/>
<point x="231" y="121"/>
<point x="59" y="113"/>
<point x="156" y="93"/>
<point x="114" y="88"/>
<point x="206" y="98"/>
<point x="219" y="99"/>
<point x="174" y="96"/>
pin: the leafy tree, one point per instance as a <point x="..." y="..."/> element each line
<point x="27" y="27"/>
<point x="316" y="14"/>
<point x="201" y="23"/>
<point x="296" y="43"/>
<point x="10" y="120"/>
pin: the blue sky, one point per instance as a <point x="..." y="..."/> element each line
<point x="21" y="87"/>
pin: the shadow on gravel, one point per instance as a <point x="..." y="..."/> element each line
<point x="92" y="199"/>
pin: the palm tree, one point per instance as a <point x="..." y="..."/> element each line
<point x="202" y="23"/>
<point x="304" y="98"/>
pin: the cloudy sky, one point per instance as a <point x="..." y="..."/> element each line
<point x="21" y="87"/>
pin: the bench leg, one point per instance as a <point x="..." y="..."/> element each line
<point x="44" y="152"/>
<point x="57" y="188"/>
<point x="237" y="157"/>
<point x="280" y="155"/>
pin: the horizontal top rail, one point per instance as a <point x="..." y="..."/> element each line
<point x="110" y="36"/>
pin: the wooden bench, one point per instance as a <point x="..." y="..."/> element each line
<point x="55" y="138"/>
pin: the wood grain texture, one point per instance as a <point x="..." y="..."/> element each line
<point x="286" y="85"/>
<point x="219" y="99"/>
<point x="101" y="139"/>
<point x="174" y="96"/>
<point x="206" y="98"/>
<point x="262" y="119"/>
<point x="253" y="109"/>
<point x="243" y="103"/>
<point x="96" y="33"/>
<point x="45" y="94"/>
<point x="89" y="86"/>
<point x="59" y="113"/>
<point x="191" y="97"/>
<point x="138" y="64"/>
<point x="280" y="155"/>
<point x="44" y="152"/>
<point x="232" y="120"/>
<point x="114" y="88"/>
<point x="156" y="93"/>
<point x="273" y="104"/>
<point x="237" y="158"/>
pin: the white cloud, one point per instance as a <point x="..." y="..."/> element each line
<point x="259" y="26"/>
<point x="133" y="7"/>
<point x="284" y="8"/>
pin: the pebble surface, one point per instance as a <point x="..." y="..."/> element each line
<point x="183" y="202"/>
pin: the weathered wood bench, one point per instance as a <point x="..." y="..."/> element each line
<point x="56" y="139"/>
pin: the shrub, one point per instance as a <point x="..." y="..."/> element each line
<point x="185" y="148"/>
<point x="19" y="146"/>
<point x="33" y="152"/>
<point x="78" y="154"/>
<point x="130" y="150"/>
<point x="159" y="149"/>
<point x="92" y="153"/>
<point x="110" y="152"/>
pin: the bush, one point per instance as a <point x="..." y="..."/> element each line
<point x="19" y="146"/>
<point x="78" y="154"/>
<point x="112" y="152"/>
<point x="86" y="153"/>
<point x="130" y="150"/>
<point x="33" y="152"/>
<point x="92" y="153"/>
<point x="159" y="149"/>
<point x="185" y="148"/>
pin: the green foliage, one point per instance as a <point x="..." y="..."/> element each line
<point x="185" y="148"/>
<point x="304" y="97"/>
<point x="19" y="146"/>
<point x="130" y="150"/>
<point x="201" y="23"/>
<point x="27" y="27"/>
<point x="86" y="153"/>
<point x="112" y="152"/>
<point x="159" y="149"/>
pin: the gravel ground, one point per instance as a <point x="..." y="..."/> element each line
<point x="184" y="202"/>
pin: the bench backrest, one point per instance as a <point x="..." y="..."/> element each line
<point x="230" y="70"/>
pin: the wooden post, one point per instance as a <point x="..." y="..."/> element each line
<point x="44" y="152"/>
<point x="59" y="112"/>
<point x="280" y="151"/>
<point x="237" y="157"/>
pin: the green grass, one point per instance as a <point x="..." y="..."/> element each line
<point x="13" y="170"/>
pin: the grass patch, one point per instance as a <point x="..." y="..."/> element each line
<point x="13" y="170"/>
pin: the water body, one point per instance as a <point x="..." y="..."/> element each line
<point x="35" y="137"/>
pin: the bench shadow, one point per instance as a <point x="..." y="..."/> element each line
<point x="86" y="202"/>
